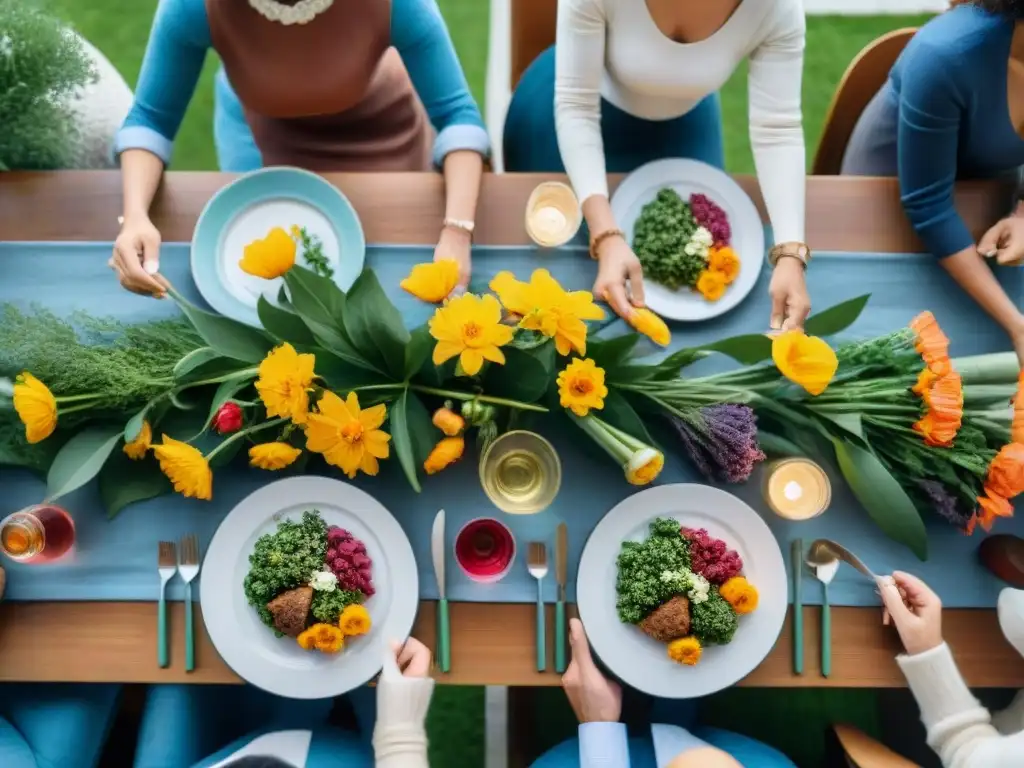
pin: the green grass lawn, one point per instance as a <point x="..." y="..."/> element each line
<point x="120" y="30"/>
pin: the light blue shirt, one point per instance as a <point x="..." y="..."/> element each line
<point x="606" y="745"/>
<point x="180" y="39"/>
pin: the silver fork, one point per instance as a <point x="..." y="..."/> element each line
<point x="167" y="566"/>
<point x="537" y="565"/>
<point x="188" y="567"/>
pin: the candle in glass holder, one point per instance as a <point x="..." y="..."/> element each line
<point x="553" y="215"/>
<point x="797" y="489"/>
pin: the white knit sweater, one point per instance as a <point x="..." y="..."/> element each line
<point x="960" y="730"/>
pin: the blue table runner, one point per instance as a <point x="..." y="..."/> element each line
<point x="115" y="560"/>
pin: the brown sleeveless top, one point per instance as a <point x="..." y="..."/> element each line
<point x="330" y="95"/>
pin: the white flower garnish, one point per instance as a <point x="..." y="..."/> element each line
<point x="323" y="581"/>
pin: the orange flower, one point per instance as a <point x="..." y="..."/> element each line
<point x="685" y="650"/>
<point x="445" y="453"/>
<point x="711" y="285"/>
<point x="1006" y="472"/>
<point x="325" y="638"/>
<point x="990" y="506"/>
<point x="1017" y="426"/>
<point x="740" y="594"/>
<point x="449" y="422"/>
<point x="925" y="379"/>
<point x="931" y="343"/>
<point x="723" y="259"/>
<point x="944" y="404"/>
<point x="354" y="620"/>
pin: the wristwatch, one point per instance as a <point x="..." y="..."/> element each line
<point x="460" y="224"/>
<point x="796" y="250"/>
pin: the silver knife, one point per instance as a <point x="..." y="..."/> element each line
<point x="437" y="550"/>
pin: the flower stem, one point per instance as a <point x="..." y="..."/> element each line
<point x="242" y="433"/>
<point x="482" y="398"/>
<point x="76" y="398"/>
<point x="72" y="409"/>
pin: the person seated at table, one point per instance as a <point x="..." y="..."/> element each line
<point x="602" y="739"/>
<point x="627" y="83"/>
<point x="201" y="726"/>
<point x="960" y="730"/>
<point x="953" y="108"/>
<point x="335" y="85"/>
<point x="55" y="724"/>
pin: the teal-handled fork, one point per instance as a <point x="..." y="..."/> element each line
<point x="167" y="566"/>
<point x="537" y="564"/>
<point x="188" y="567"/>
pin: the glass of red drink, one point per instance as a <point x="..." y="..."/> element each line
<point x="485" y="550"/>
<point x="41" y="533"/>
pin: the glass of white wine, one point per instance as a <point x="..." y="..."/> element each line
<point x="521" y="473"/>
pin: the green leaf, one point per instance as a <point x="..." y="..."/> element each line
<point x="525" y="376"/>
<point x="612" y="353"/>
<point x="747" y="349"/>
<point x="341" y="376"/>
<point x="226" y="336"/>
<point x="329" y="337"/>
<point x="776" y="445"/>
<point x="882" y="496"/>
<point x="80" y="459"/>
<point x="418" y="351"/>
<point x="670" y="367"/>
<point x="314" y="297"/>
<point x="374" y="325"/>
<point x="620" y="414"/>
<point x="837" y="318"/>
<point x="282" y="324"/>
<point x="197" y="358"/>
<point x="123" y="482"/>
<point x="848" y="422"/>
<point x="412" y="433"/>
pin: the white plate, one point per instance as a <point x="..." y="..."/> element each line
<point x="631" y="655"/>
<point x="688" y="177"/>
<point x="278" y="664"/>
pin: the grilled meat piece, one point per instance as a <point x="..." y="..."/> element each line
<point x="291" y="609"/>
<point x="669" y="621"/>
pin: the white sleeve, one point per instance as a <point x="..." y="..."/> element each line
<point x="776" y="125"/>
<point x="959" y="728"/>
<point x="579" y="65"/>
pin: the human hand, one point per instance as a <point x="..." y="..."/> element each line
<point x="136" y="258"/>
<point x="1004" y="241"/>
<point x="788" y="290"/>
<point x="411" y="659"/>
<point x="915" y="610"/>
<point x="593" y="697"/>
<point x="616" y="264"/>
<point x="455" y="244"/>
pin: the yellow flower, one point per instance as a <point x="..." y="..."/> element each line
<point x="432" y="281"/>
<point x="137" y="448"/>
<point x="270" y="257"/>
<point x="469" y="327"/>
<point x="446" y="452"/>
<point x="644" y="466"/>
<point x="36" y="407"/>
<point x="273" y="455"/>
<point x="804" y="360"/>
<point x="348" y="438"/>
<point x="295" y="231"/>
<point x="548" y="308"/>
<point x="325" y="638"/>
<point x="285" y="378"/>
<point x="581" y="387"/>
<point x="449" y="422"/>
<point x="187" y="468"/>
<point x="650" y="325"/>
<point x="740" y="594"/>
<point x="685" y="650"/>
<point x="711" y="284"/>
<point x="354" y="620"/>
<point x="724" y="260"/>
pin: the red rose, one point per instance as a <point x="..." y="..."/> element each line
<point x="227" y="419"/>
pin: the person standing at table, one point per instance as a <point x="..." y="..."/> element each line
<point x="961" y="731"/>
<point x="602" y="739"/>
<point x="183" y="724"/>
<point x="631" y="81"/>
<point x="953" y="108"/>
<point x="326" y="85"/>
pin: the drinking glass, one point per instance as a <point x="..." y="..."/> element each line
<point x="38" y="534"/>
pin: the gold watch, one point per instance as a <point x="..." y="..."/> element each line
<point x="795" y="250"/>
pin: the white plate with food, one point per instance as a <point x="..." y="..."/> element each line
<point x="304" y="584"/>
<point x="697" y="234"/>
<point x="682" y="590"/>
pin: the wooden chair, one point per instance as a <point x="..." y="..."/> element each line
<point x="533" y="32"/>
<point x="864" y="752"/>
<point x="862" y="80"/>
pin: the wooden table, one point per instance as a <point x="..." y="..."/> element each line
<point x="491" y="643"/>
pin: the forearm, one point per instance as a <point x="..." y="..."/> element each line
<point x="400" y="736"/>
<point x="463" y="171"/>
<point x="141" y="172"/>
<point x="969" y="270"/>
<point x="597" y="210"/>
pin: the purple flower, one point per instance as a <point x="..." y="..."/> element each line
<point x="944" y="503"/>
<point x="721" y="440"/>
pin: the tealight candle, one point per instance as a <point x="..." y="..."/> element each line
<point x="797" y="489"/>
<point x="553" y="214"/>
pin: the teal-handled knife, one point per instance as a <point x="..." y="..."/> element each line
<point x="825" y="573"/>
<point x="561" y="574"/>
<point x="797" y="567"/>
<point x="437" y="549"/>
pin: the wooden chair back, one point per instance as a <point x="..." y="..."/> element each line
<point x="864" y="77"/>
<point x="864" y="752"/>
<point x="533" y="32"/>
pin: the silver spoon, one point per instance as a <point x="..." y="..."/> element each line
<point x="824" y="551"/>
